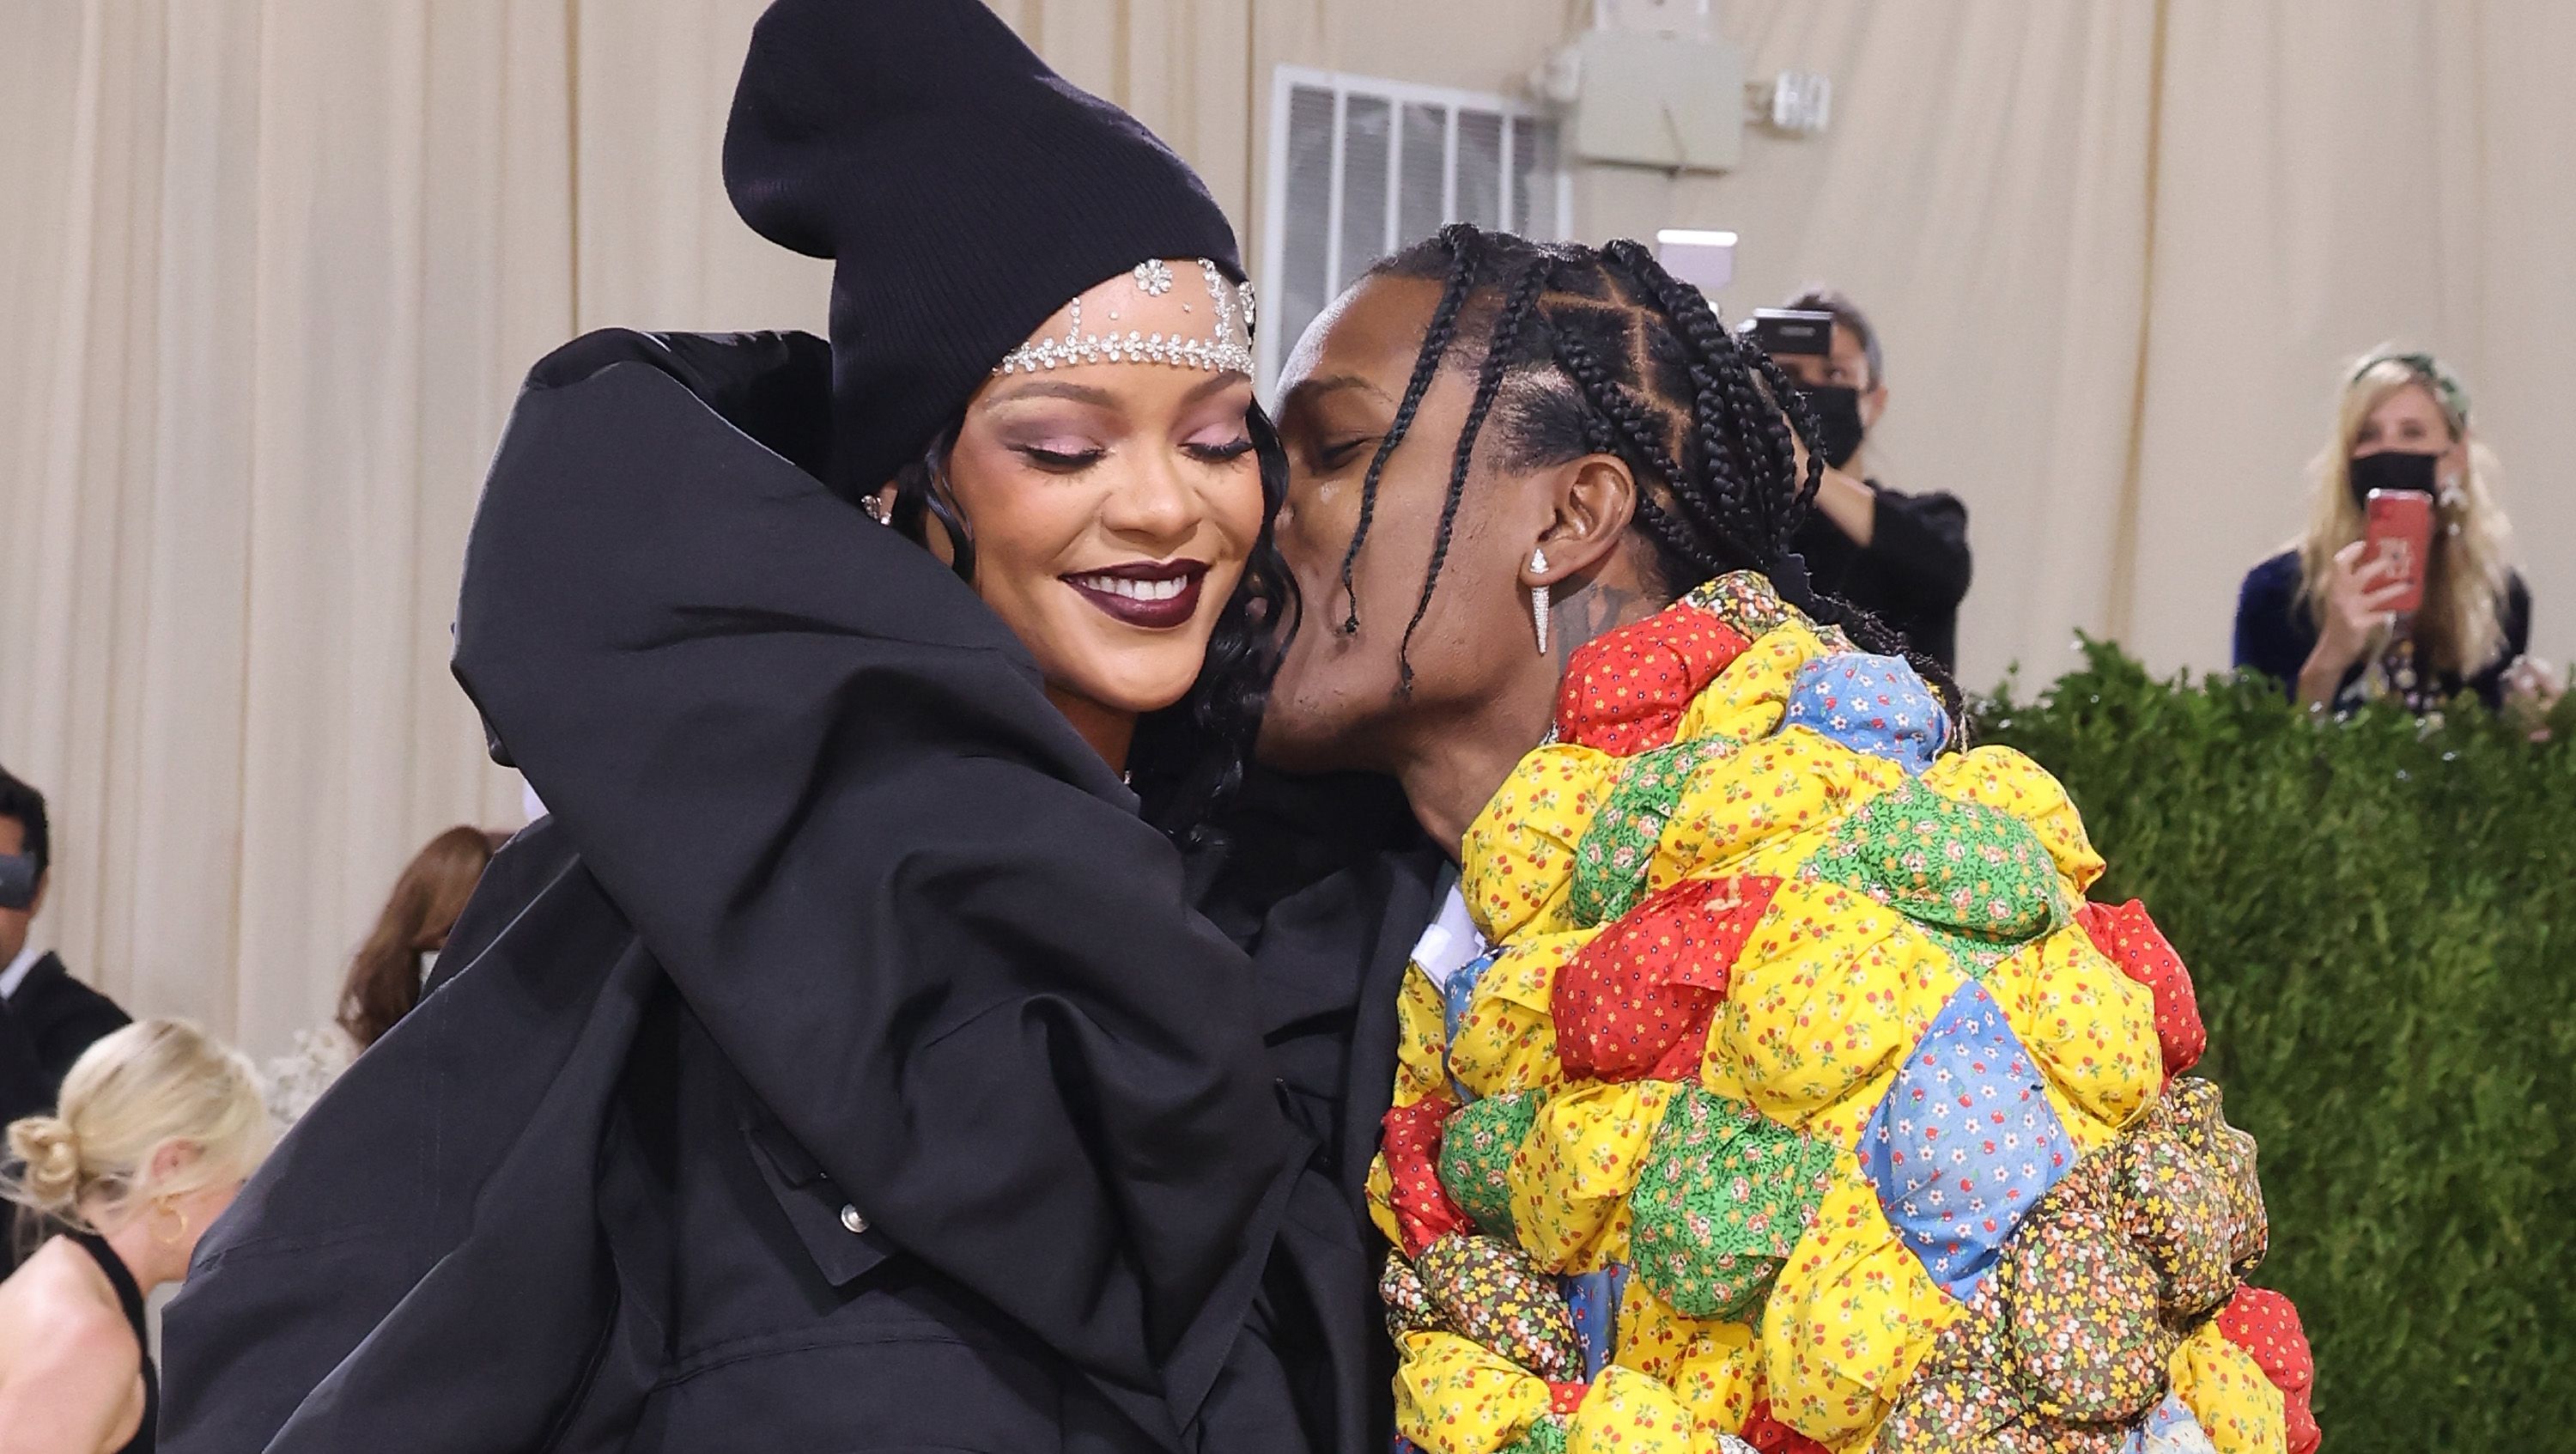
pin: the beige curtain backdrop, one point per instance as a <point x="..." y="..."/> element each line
<point x="271" y="270"/>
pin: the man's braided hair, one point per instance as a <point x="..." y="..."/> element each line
<point x="1601" y="351"/>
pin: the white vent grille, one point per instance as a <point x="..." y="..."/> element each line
<point x="1360" y="167"/>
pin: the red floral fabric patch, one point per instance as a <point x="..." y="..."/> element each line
<point x="2129" y="939"/>
<point x="1771" y="1436"/>
<point x="1625" y="690"/>
<point x="1423" y="1211"/>
<point x="1642" y="991"/>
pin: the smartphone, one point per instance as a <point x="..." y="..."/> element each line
<point x="2399" y="527"/>
<point x="1784" y="331"/>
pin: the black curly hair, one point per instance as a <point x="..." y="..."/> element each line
<point x="1187" y="760"/>
<point x="1601" y="351"/>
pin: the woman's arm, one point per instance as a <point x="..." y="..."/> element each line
<point x="74" y="1385"/>
<point x="1918" y="543"/>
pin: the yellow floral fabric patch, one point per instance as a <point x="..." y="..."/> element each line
<point x="2091" y="1028"/>
<point x="1454" y="1397"/>
<point x="1825" y="997"/>
<point x="1628" y="1413"/>
<point x="1507" y="1040"/>
<point x="1571" y="1179"/>
<point x="1714" y="1367"/>
<point x="2222" y="1385"/>
<point x="1516" y="861"/>
<point x="1852" y="1316"/>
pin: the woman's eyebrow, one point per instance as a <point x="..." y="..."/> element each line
<point x="1054" y="389"/>
<point x="1215" y="384"/>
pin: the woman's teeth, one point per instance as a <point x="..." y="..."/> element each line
<point x="1133" y="589"/>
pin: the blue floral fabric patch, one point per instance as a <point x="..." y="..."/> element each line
<point x="1872" y="704"/>
<point x="1965" y="1142"/>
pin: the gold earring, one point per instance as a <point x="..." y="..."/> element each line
<point x="160" y="1206"/>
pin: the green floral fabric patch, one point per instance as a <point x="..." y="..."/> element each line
<point x="1476" y="1150"/>
<point x="1722" y="1198"/>
<point x="1975" y="879"/>
<point x="1610" y="862"/>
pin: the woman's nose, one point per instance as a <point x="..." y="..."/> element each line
<point x="1154" y="502"/>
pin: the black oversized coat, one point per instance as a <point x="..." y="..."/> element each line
<point x="840" y="1067"/>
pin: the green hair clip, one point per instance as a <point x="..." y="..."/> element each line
<point x="2445" y="385"/>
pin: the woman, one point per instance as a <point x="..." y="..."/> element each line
<point x="2317" y="616"/>
<point x="838" y="1066"/>
<point x="385" y="977"/>
<point x="158" y="1127"/>
<point x="1766" y="1076"/>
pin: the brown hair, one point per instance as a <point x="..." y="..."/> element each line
<point x="384" y="978"/>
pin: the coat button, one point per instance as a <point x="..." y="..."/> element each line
<point x="851" y="1219"/>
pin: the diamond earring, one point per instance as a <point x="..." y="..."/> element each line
<point x="1538" y="599"/>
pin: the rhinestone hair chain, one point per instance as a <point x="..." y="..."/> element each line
<point x="1227" y="346"/>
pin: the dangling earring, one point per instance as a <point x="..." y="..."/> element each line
<point x="161" y="1207"/>
<point x="1538" y="598"/>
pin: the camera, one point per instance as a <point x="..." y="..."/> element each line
<point x="1783" y="331"/>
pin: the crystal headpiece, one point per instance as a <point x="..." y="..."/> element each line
<point x="1226" y="346"/>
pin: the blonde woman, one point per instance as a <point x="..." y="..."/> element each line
<point x="2318" y="616"/>
<point x="158" y="1128"/>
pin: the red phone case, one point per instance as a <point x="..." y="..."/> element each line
<point x="2401" y="524"/>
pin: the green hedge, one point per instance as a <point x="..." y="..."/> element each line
<point x="2381" y="921"/>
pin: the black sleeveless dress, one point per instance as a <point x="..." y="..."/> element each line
<point x="131" y="1297"/>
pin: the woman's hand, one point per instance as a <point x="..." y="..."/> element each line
<point x="2360" y="600"/>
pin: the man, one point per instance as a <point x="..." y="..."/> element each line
<point x="53" y="1017"/>
<point x="1902" y="558"/>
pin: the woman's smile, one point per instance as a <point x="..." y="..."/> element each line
<point x="1154" y="595"/>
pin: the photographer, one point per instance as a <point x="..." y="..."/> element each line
<point x="1902" y="558"/>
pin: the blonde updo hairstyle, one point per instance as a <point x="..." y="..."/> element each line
<point x="149" y="1086"/>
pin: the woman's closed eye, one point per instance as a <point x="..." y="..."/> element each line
<point x="1061" y="458"/>
<point x="1220" y="452"/>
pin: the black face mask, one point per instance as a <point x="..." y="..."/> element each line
<point x="17" y="880"/>
<point x="1838" y="426"/>
<point x="2392" y="469"/>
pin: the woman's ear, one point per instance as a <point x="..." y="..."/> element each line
<point x="169" y="1158"/>
<point x="1594" y="500"/>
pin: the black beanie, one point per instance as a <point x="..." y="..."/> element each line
<point x="963" y="190"/>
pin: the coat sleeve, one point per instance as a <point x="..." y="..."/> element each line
<point x="911" y="906"/>
<point x="1919" y="544"/>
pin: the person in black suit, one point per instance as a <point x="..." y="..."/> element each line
<point x="51" y="1017"/>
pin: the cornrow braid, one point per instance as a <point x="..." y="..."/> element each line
<point x="1628" y="362"/>
<point x="1489" y="382"/>
<point x="1782" y="427"/>
<point x="1465" y="249"/>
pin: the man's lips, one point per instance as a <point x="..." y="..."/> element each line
<point x="1154" y="595"/>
